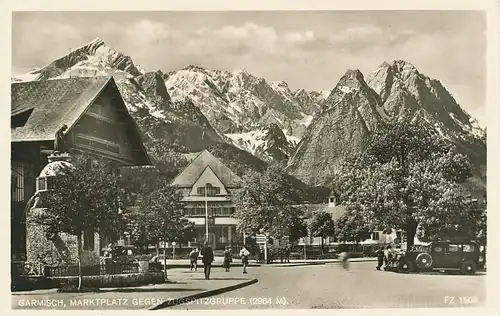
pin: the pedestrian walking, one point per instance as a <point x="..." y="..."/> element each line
<point x="344" y="257"/>
<point x="380" y="257"/>
<point x="228" y="258"/>
<point x="244" y="254"/>
<point x="287" y="253"/>
<point x="388" y="255"/>
<point x="193" y="259"/>
<point x="207" y="259"/>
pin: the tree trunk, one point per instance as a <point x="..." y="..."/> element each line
<point x="157" y="250"/>
<point x="165" y="262"/>
<point x="322" y="245"/>
<point x="411" y="231"/>
<point x="79" y="254"/>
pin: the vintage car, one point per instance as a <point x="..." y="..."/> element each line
<point x="464" y="256"/>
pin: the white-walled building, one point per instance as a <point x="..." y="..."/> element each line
<point x="208" y="185"/>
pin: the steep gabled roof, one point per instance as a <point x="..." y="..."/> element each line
<point x="193" y="171"/>
<point x="53" y="103"/>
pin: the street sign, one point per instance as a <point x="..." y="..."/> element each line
<point x="261" y="239"/>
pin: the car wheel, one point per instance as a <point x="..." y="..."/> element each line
<point x="405" y="266"/>
<point x="424" y="261"/>
<point x="468" y="267"/>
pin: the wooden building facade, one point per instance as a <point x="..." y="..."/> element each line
<point x="98" y="124"/>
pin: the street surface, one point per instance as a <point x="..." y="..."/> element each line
<point x="140" y="297"/>
<point x="329" y="286"/>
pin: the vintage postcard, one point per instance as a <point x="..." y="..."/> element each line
<point x="302" y="158"/>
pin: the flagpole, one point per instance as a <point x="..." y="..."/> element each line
<point x="206" y="214"/>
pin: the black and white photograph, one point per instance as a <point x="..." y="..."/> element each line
<point x="242" y="159"/>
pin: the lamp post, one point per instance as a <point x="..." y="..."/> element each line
<point x="165" y="245"/>
<point x="173" y="249"/>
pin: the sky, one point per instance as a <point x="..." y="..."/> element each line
<point x="306" y="49"/>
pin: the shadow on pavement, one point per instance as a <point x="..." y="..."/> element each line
<point x="443" y="273"/>
<point x="136" y="290"/>
<point x="222" y="279"/>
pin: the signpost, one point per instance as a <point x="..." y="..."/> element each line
<point x="305" y="250"/>
<point x="262" y="240"/>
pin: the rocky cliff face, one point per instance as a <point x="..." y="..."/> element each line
<point x="341" y="130"/>
<point x="236" y="102"/>
<point x="355" y="108"/>
<point x="248" y="120"/>
<point x="245" y="107"/>
<point x="94" y="58"/>
<point x="170" y="128"/>
<point x="403" y="88"/>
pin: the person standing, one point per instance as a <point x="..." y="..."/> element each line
<point x="380" y="257"/>
<point x="287" y="253"/>
<point x="193" y="259"/>
<point x="208" y="258"/>
<point x="244" y="254"/>
<point x="228" y="258"/>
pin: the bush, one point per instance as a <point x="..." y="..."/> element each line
<point x="72" y="288"/>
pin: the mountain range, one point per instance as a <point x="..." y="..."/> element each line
<point x="249" y="122"/>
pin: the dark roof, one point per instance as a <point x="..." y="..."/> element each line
<point x="54" y="103"/>
<point x="336" y="211"/>
<point x="193" y="171"/>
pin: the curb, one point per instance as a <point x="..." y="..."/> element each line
<point x="187" y="266"/>
<point x="186" y="299"/>
<point x="297" y="264"/>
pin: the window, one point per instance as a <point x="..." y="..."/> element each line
<point x="195" y="210"/>
<point x="41" y="184"/>
<point x="17" y="182"/>
<point x="452" y="248"/>
<point x="45" y="183"/>
<point x="468" y="248"/>
<point x="375" y="235"/>
<point x="210" y="190"/>
<point x="22" y="181"/>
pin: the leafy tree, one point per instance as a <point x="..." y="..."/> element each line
<point x="160" y="217"/>
<point x="408" y="177"/>
<point x="267" y="204"/>
<point x="348" y="228"/>
<point x="83" y="199"/>
<point x="321" y="225"/>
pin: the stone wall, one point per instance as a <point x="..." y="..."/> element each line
<point x="44" y="249"/>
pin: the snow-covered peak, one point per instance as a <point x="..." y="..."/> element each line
<point x="402" y="64"/>
<point x="193" y="67"/>
<point x="96" y="42"/>
<point x="326" y="93"/>
<point x="237" y="72"/>
<point x="280" y="86"/>
<point x="300" y="92"/>
<point x="346" y="89"/>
